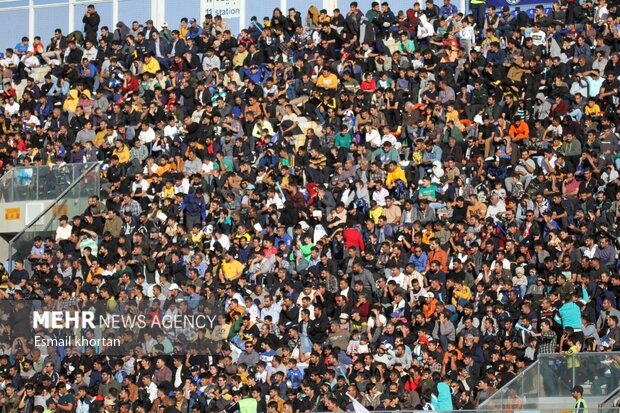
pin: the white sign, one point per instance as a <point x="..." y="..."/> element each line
<point x="228" y="9"/>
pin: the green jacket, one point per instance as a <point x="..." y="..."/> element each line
<point x="248" y="405"/>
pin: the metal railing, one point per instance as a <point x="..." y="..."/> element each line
<point x="515" y="409"/>
<point x="609" y="401"/>
<point x="550" y="379"/>
<point x="71" y="201"/>
<point x="39" y="183"/>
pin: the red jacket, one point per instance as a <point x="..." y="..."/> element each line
<point x="353" y="238"/>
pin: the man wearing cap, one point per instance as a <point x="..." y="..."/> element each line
<point x="149" y="29"/>
<point x="580" y="404"/>
<point x="194" y="30"/>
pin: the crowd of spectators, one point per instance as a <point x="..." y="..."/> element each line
<point x="402" y="208"/>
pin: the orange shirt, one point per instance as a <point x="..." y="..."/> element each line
<point x="439" y="255"/>
<point x="520" y="132"/>
<point x="459" y="355"/>
<point x="429" y="308"/>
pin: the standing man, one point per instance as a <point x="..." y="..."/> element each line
<point x="478" y="8"/>
<point x="194" y="208"/>
<point x="580" y="404"/>
<point x="91" y="22"/>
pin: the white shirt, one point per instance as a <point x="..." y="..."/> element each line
<point x="373" y="138"/>
<point x="539" y="38"/>
<point x="276" y="200"/>
<point x="590" y="252"/>
<point x="30" y="61"/>
<point x="554" y="130"/>
<point x="8" y="61"/>
<point x="10" y="110"/>
<point x="183" y="188"/>
<point x="493" y="210"/>
<point x="171" y="131"/>
<point x="273" y="311"/>
<point x="147" y="136"/>
<point x="505" y="264"/>
<point x="152" y="391"/>
<point x="379" y="196"/>
<point x="63" y="233"/>
<point x="33" y="120"/>
<point x="292" y="117"/>
<point x="143" y="184"/>
<point x="467" y="33"/>
<point x="400" y="279"/>
<point x="223" y="240"/>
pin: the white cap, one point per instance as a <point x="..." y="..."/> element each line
<point x="174" y="286"/>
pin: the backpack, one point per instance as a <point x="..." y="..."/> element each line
<point x="399" y="190"/>
<point x="362" y="206"/>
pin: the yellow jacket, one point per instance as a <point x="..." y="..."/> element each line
<point x="328" y="82"/>
<point x="571" y="359"/>
<point x="375" y="213"/>
<point x="100" y="138"/>
<point x="426" y="237"/>
<point x="394" y="176"/>
<point x="239" y="58"/>
<point x="464" y="292"/>
<point x="453" y="116"/>
<point x="123" y="154"/>
<point x="183" y="32"/>
<point x="152" y="66"/>
<point x="72" y="101"/>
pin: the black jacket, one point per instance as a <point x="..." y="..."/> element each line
<point x="91" y="23"/>
<point x="318" y="329"/>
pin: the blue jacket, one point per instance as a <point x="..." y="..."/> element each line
<point x="295" y="376"/>
<point x="195" y="205"/>
<point x="443" y="399"/>
<point x="419" y="262"/>
<point x="496" y="58"/>
<point x="570" y="316"/>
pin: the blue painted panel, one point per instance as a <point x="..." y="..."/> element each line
<point x="130" y="10"/>
<point x="13" y="3"/>
<point x="39" y="2"/>
<point x="48" y="19"/>
<point x="235" y="26"/>
<point x="261" y="9"/>
<point x="177" y="9"/>
<point x="14" y="25"/>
